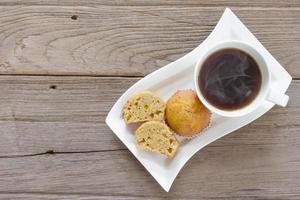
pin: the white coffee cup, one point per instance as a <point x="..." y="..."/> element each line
<point x="266" y="92"/>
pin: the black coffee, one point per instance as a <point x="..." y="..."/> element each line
<point x="230" y="79"/>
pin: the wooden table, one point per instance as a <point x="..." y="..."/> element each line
<point x="63" y="65"/>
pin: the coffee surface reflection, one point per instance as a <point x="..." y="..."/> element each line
<point x="230" y="79"/>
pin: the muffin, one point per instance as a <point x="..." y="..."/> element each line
<point x="144" y="106"/>
<point x="185" y="114"/>
<point x="157" y="137"/>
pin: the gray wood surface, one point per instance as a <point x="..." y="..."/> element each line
<point x="127" y="40"/>
<point x="59" y="77"/>
<point x="38" y="196"/>
<point x="43" y="119"/>
<point x="268" y="171"/>
<point x="54" y="141"/>
<point x="158" y="3"/>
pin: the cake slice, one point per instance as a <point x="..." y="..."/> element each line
<point x="157" y="137"/>
<point x="144" y="106"/>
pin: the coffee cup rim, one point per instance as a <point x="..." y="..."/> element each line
<point x="265" y="73"/>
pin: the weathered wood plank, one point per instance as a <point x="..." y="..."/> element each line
<point x="244" y="171"/>
<point x="212" y="3"/>
<point x="45" y="196"/>
<point x="25" y="196"/>
<point x="35" y="118"/>
<point x="127" y="40"/>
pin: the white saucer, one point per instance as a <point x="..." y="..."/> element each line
<point x="179" y="75"/>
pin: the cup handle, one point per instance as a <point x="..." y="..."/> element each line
<point x="277" y="97"/>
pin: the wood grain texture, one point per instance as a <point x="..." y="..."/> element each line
<point x="243" y="171"/>
<point x="35" y="118"/>
<point x="45" y="196"/>
<point x="114" y="40"/>
<point x="200" y="3"/>
<point x="66" y="115"/>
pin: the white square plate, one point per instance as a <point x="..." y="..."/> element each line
<point x="179" y="75"/>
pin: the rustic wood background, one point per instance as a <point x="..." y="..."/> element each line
<point x="63" y="64"/>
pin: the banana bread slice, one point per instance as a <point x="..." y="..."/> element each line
<point x="157" y="137"/>
<point x="144" y="106"/>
